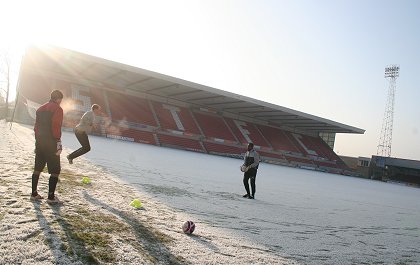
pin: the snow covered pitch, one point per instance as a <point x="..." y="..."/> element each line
<point x="297" y="217"/>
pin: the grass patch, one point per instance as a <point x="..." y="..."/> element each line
<point x="68" y="181"/>
<point x="88" y="235"/>
<point x="152" y="235"/>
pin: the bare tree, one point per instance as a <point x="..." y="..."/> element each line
<point x="5" y="72"/>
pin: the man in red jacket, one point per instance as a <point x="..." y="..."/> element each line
<point x="49" y="118"/>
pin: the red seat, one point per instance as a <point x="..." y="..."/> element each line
<point x="223" y="148"/>
<point x="213" y="126"/>
<point x="175" y="118"/>
<point x="177" y="141"/>
<point x="130" y="109"/>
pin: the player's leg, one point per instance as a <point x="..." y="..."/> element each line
<point x="40" y="162"/>
<point x="252" y="178"/>
<point x="246" y="185"/>
<point x="54" y="168"/>
<point x="52" y="184"/>
<point x="83" y="139"/>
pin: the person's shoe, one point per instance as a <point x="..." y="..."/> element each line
<point x="36" y="198"/>
<point x="54" y="201"/>
<point x="251" y="197"/>
<point x="69" y="159"/>
<point x="246" y="196"/>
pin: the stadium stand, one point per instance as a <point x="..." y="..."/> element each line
<point x="277" y="138"/>
<point x="306" y="144"/>
<point x="213" y="126"/>
<point x="180" y="142"/>
<point x="296" y="160"/>
<point x="97" y="97"/>
<point x="272" y="155"/>
<point x="131" y="109"/>
<point x="223" y="149"/>
<point x="132" y="135"/>
<point x="254" y="135"/>
<point x="151" y="119"/>
<point x="293" y="138"/>
<point x="325" y="149"/>
<point x="235" y="131"/>
<point x="175" y="118"/>
<point x="134" y="119"/>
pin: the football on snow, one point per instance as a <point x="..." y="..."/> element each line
<point x="188" y="227"/>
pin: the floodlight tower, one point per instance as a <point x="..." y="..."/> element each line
<point x="385" y="140"/>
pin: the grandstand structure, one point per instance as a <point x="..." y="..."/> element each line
<point x="148" y="107"/>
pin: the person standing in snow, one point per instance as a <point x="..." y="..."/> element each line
<point x="49" y="119"/>
<point x="81" y="131"/>
<point x="250" y="167"/>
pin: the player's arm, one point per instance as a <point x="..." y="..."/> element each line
<point x="57" y="122"/>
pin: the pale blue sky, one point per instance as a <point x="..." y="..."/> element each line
<point x="326" y="58"/>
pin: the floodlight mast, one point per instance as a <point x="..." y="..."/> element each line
<point x="385" y="140"/>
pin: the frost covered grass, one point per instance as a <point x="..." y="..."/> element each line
<point x="96" y="225"/>
<point x="298" y="216"/>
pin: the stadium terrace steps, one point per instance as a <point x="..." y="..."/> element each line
<point x="184" y="143"/>
<point x="277" y="139"/>
<point x="213" y="126"/>
<point x="175" y="118"/>
<point x="132" y="135"/>
<point x="131" y="109"/>
<point x="219" y="148"/>
<point x="235" y="130"/>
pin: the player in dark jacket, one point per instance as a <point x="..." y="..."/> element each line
<point x="49" y="118"/>
<point x="250" y="167"/>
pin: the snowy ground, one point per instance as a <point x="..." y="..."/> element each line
<point x="298" y="216"/>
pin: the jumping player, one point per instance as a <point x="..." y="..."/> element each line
<point x="49" y="118"/>
<point x="81" y="131"/>
<point x="251" y="162"/>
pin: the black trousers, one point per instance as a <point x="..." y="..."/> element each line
<point x="251" y="174"/>
<point x="84" y="141"/>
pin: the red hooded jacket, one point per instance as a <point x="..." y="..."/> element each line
<point x="49" y="118"/>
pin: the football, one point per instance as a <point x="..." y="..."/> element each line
<point x="188" y="227"/>
<point x="243" y="168"/>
